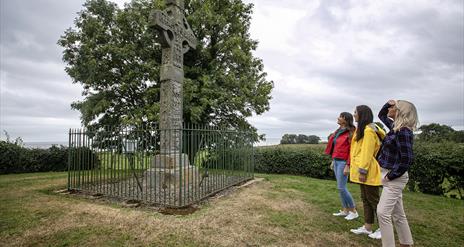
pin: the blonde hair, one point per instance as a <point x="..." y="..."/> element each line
<point x="406" y="116"/>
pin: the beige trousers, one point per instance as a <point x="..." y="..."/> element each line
<point x="390" y="208"/>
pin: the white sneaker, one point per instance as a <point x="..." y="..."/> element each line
<point x="341" y="213"/>
<point x="361" y="230"/>
<point x="376" y="234"/>
<point x="352" y="216"/>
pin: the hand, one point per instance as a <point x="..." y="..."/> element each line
<point x="331" y="166"/>
<point x="385" y="179"/>
<point x="392" y="102"/>
<point x="346" y="171"/>
<point x="362" y="177"/>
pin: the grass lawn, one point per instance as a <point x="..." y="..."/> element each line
<point x="278" y="211"/>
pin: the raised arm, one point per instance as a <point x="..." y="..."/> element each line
<point x="383" y="115"/>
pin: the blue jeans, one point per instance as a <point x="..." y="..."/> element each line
<point x="345" y="196"/>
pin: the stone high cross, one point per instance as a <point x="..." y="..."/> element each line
<point x="176" y="38"/>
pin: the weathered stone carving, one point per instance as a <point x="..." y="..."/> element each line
<point x="176" y="38"/>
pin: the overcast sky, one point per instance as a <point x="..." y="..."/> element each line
<point x="324" y="57"/>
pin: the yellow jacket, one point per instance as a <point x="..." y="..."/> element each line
<point x="363" y="153"/>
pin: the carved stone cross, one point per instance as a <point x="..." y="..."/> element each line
<point x="176" y="38"/>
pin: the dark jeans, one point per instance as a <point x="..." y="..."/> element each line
<point x="370" y="197"/>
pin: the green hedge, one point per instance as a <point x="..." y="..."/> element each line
<point x="17" y="159"/>
<point x="438" y="168"/>
<point x="307" y="161"/>
<point x="13" y="158"/>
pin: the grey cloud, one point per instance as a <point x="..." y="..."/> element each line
<point x="294" y="4"/>
<point x="33" y="129"/>
<point x="20" y="69"/>
<point x="439" y="42"/>
<point x="36" y="105"/>
<point x="36" y="93"/>
<point x="326" y="17"/>
<point x="439" y="35"/>
<point x="430" y="73"/>
<point x="30" y="29"/>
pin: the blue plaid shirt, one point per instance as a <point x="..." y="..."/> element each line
<point x="396" y="152"/>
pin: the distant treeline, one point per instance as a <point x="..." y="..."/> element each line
<point x="299" y="139"/>
<point x="433" y="132"/>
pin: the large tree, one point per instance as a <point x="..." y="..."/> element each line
<point x="435" y="132"/>
<point x="115" y="56"/>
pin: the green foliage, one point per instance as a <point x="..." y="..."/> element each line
<point x="438" y="168"/>
<point x="14" y="158"/>
<point x="119" y="161"/>
<point x="288" y="139"/>
<point x="114" y="54"/>
<point x="84" y="158"/>
<point x="201" y="158"/>
<point x="297" y="161"/>
<point x="436" y="162"/>
<point x="51" y="159"/>
<point x="458" y="136"/>
<point x="440" y="133"/>
<point x="312" y="139"/>
<point x="18" y="141"/>
<point x="299" y="139"/>
<point x="17" y="159"/>
<point x="236" y="157"/>
<point x="439" y="161"/>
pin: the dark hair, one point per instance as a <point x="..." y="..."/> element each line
<point x="365" y="117"/>
<point x="349" y="121"/>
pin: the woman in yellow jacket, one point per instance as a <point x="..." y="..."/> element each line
<point x="365" y="169"/>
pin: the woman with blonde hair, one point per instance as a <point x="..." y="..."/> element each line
<point x="395" y="158"/>
<point x="364" y="168"/>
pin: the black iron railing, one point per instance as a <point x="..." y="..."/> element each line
<point x="166" y="167"/>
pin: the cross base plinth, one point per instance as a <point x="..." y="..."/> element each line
<point x="170" y="161"/>
<point x="173" y="178"/>
<point x="172" y="171"/>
